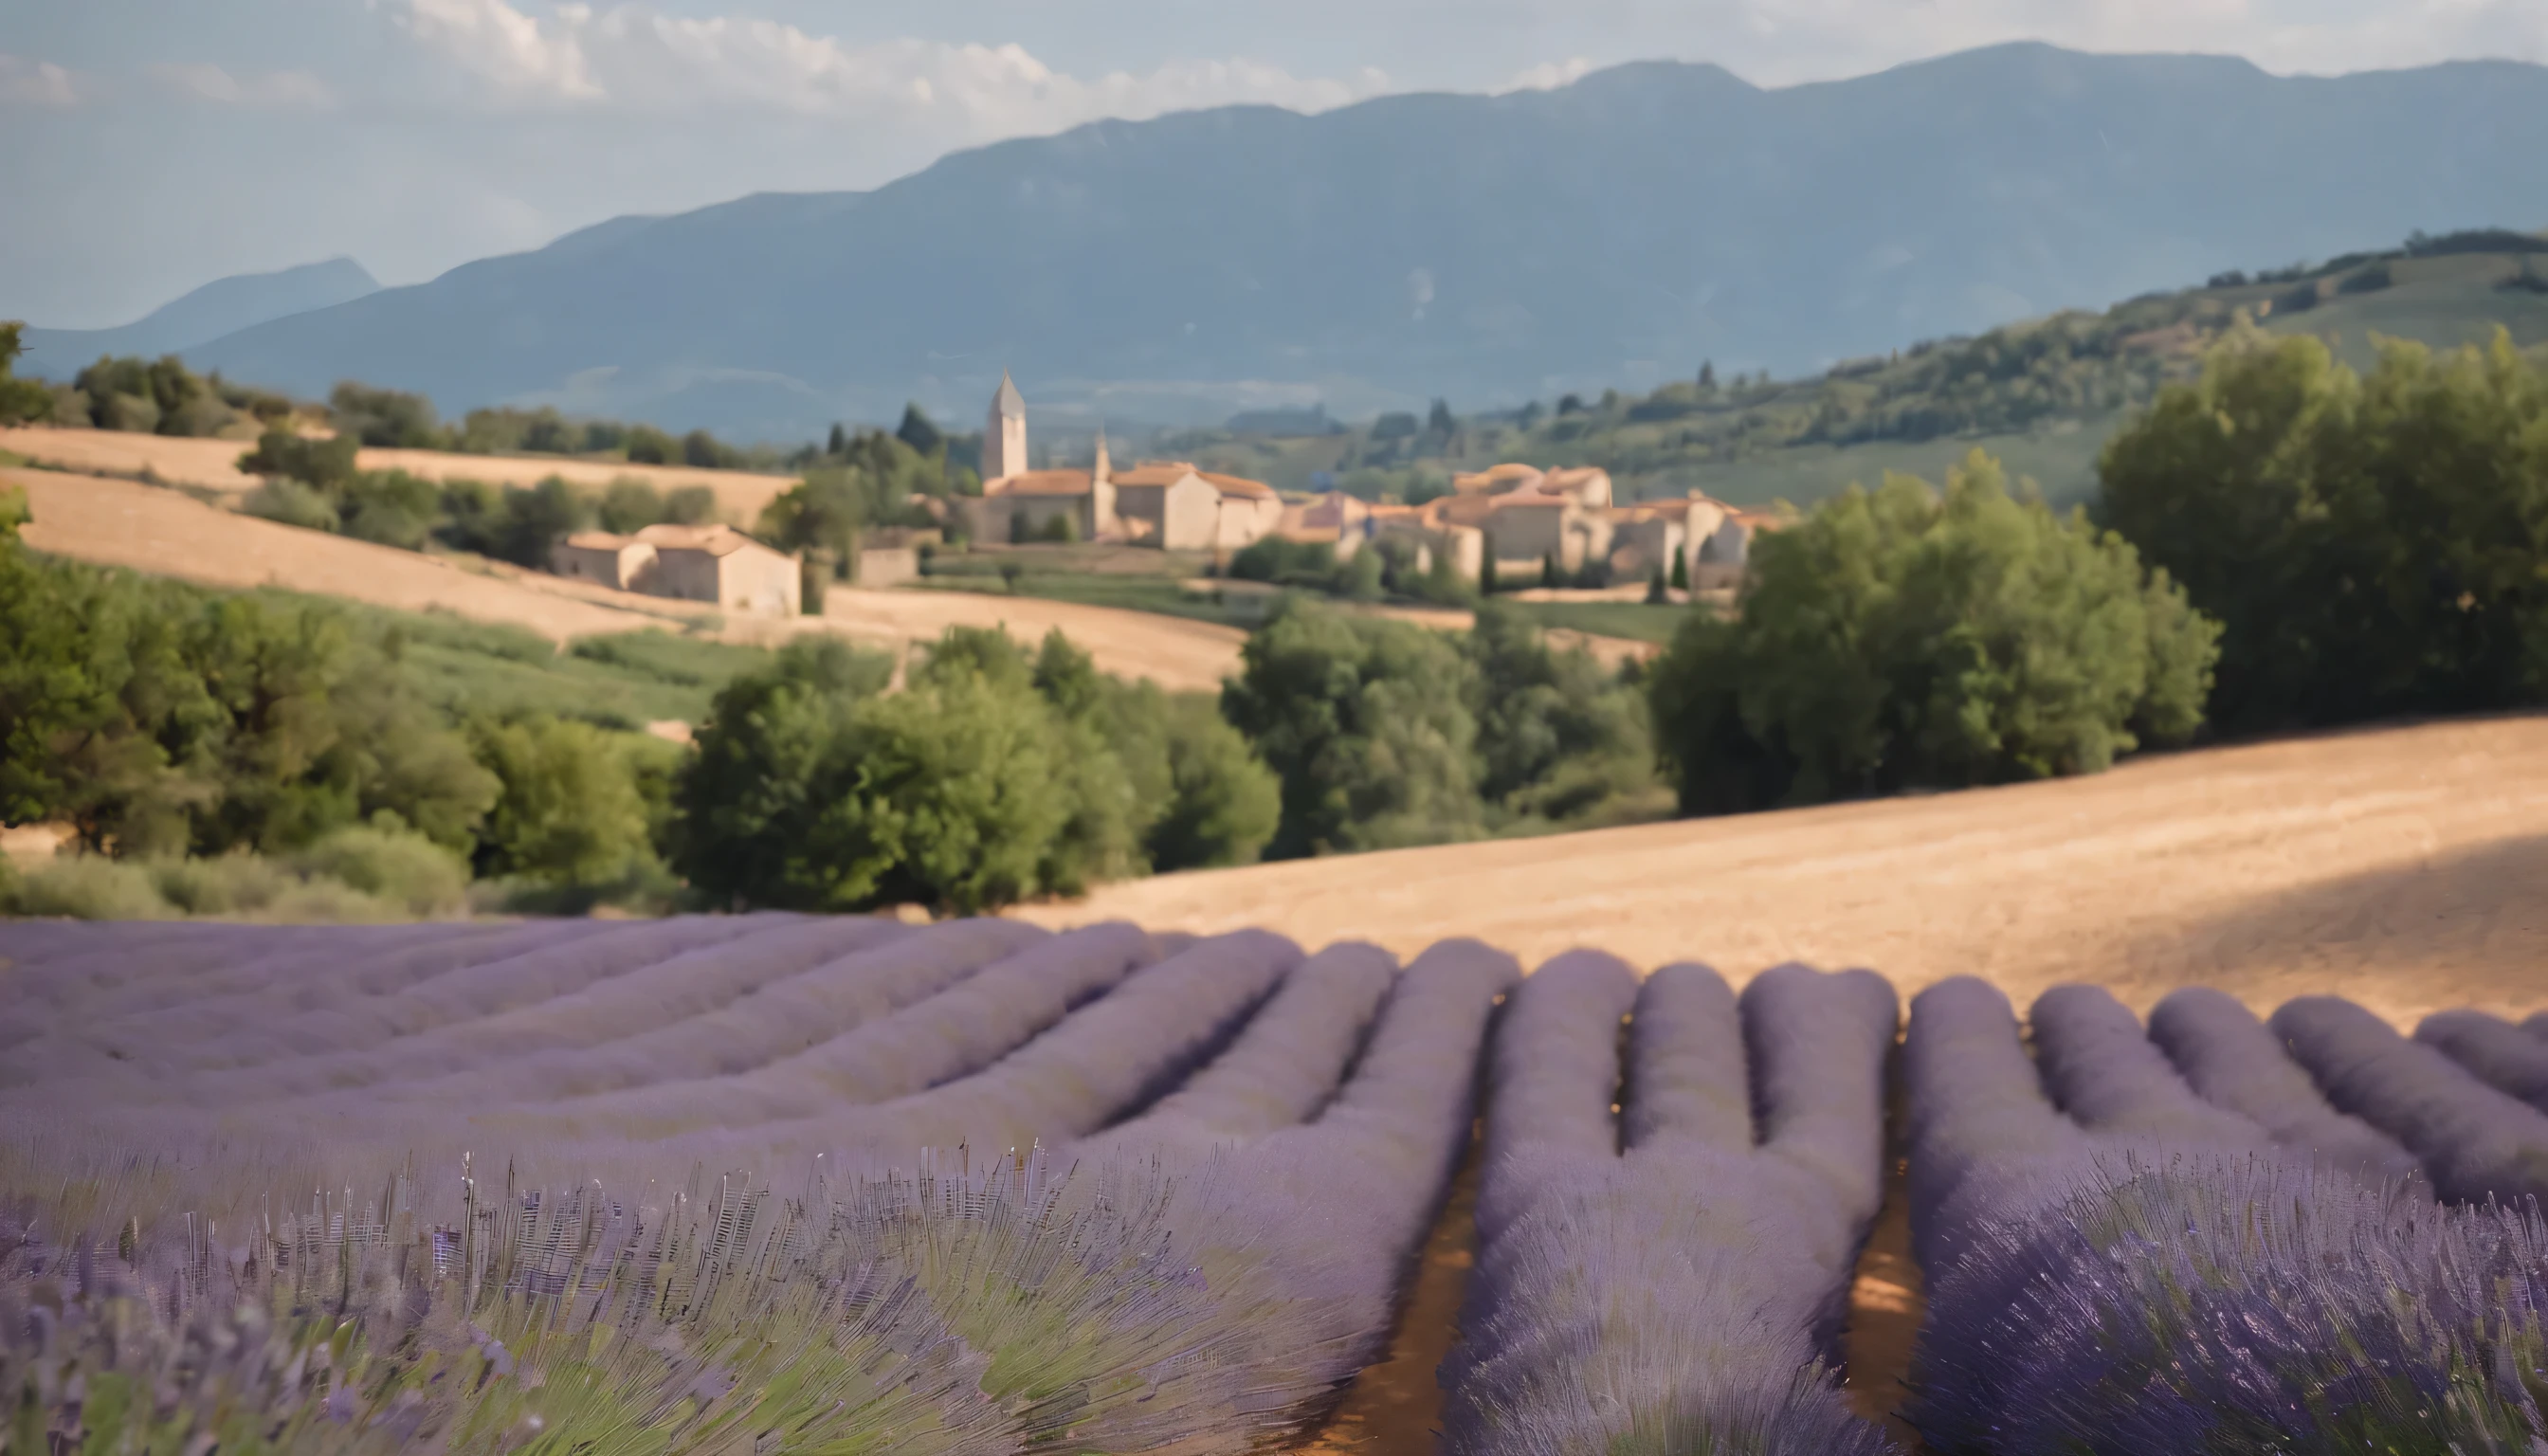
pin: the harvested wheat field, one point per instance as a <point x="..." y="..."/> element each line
<point x="163" y="532"/>
<point x="214" y="464"/>
<point x="2405" y="868"/>
<point x="166" y="532"/>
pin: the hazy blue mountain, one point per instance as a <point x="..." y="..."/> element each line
<point x="1489" y="249"/>
<point x="222" y="306"/>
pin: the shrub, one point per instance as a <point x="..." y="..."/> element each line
<point x="86" y="887"/>
<point x="291" y="504"/>
<point x="388" y="861"/>
<point x="221" y="884"/>
<point x="391" y="508"/>
<point x="1898" y="639"/>
<point x="284" y="453"/>
<point x="386" y="417"/>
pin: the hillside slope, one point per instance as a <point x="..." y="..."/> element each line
<point x="2399" y="868"/>
<point x="1490" y="250"/>
<point x="2043" y="395"/>
<point x="221" y="307"/>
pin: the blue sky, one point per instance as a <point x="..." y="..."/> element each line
<point x="155" y="145"/>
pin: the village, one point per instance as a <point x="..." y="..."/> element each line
<point x="1531" y="524"/>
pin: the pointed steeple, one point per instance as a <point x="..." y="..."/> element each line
<point x="1008" y="403"/>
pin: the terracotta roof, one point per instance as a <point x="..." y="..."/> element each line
<point x="1528" y="501"/>
<point x="716" y="540"/>
<point x="1231" y="484"/>
<point x="600" y="541"/>
<point x="1311" y="534"/>
<point x="1493" y="475"/>
<point x="1152" y="473"/>
<point x="1041" y="483"/>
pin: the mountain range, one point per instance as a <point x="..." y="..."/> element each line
<point x="222" y="306"/>
<point x="1490" y="249"/>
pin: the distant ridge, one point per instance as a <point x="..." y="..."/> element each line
<point x="222" y="306"/>
<point x="1488" y="249"/>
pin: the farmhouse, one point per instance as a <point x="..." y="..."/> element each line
<point x="1167" y="503"/>
<point x="714" y="564"/>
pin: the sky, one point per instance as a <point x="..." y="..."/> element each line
<point x="154" y="145"/>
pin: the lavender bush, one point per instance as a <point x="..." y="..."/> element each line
<point x="2233" y="1062"/>
<point x="1686" y="1290"/>
<point x="1126" y="1301"/>
<point x="2475" y="1141"/>
<point x="2160" y="1281"/>
<point x="2501" y="1054"/>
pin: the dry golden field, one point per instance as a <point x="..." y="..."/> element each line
<point x="214" y="464"/>
<point x="2403" y="867"/>
<point x="166" y="532"/>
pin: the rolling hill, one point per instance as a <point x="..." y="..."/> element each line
<point x="2043" y="395"/>
<point x="221" y="307"/>
<point x="1490" y="249"/>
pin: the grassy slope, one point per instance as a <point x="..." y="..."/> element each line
<point x="2042" y="395"/>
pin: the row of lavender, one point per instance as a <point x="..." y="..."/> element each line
<point x="1240" y="1148"/>
<point x="2129" y="1234"/>
<point x="2222" y="1235"/>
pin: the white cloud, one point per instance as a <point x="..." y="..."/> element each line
<point x="639" y="58"/>
<point x="1549" y="75"/>
<point x="509" y="50"/>
<point x="26" y="82"/>
<point x="205" y="82"/>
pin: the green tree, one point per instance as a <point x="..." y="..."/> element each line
<point x="391" y="508"/>
<point x="389" y="419"/>
<point x="1681" y="571"/>
<point x="93" y="678"/>
<point x="629" y="504"/>
<point x="534" y="521"/>
<point x="647" y="445"/>
<point x="283" y="453"/>
<point x="1898" y="639"/>
<point x="919" y="431"/>
<point x="1656" y="591"/>
<point x="1558" y="734"/>
<point x="1486" y="584"/>
<point x="1224" y="804"/>
<point x="568" y="812"/>
<point x="21" y="399"/>
<point x="2371" y="546"/>
<point x="1366" y="723"/>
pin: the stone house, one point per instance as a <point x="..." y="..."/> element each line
<point x="714" y="564"/>
<point x="620" y="563"/>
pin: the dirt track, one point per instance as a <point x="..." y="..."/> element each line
<point x="2406" y="867"/>
<point x="214" y="464"/>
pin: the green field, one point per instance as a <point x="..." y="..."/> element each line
<point x="1634" y="620"/>
<point x="623" y="680"/>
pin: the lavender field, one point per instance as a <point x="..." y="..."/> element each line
<point x="776" y="1183"/>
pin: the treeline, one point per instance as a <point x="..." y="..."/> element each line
<point x="240" y="750"/>
<point x="2372" y="545"/>
<point x="261" y="753"/>
<point x="867" y="479"/>
<point x="314" y="483"/>
<point x="2280" y="544"/>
